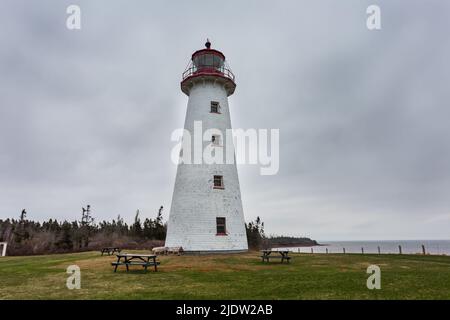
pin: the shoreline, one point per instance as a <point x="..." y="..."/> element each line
<point x="299" y="245"/>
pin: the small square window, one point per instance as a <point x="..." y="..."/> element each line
<point x="215" y="107"/>
<point x="215" y="139"/>
<point x="218" y="182"/>
<point x="221" y="226"/>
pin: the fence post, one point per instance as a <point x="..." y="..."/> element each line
<point x="326" y="250"/>
<point x="379" y="250"/>
<point x="312" y="251"/>
<point x="362" y="250"/>
<point x="423" y="250"/>
<point x="344" y="250"/>
<point x="400" y="249"/>
<point x="298" y="250"/>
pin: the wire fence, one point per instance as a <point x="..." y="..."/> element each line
<point x="391" y="247"/>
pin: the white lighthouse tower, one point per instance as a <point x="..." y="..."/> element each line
<point x="206" y="213"/>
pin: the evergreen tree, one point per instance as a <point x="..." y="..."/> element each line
<point x="136" y="228"/>
<point x="160" y="229"/>
<point x="255" y="233"/>
<point x="65" y="239"/>
<point x="20" y="231"/>
<point x="149" y="228"/>
<point x="86" y="226"/>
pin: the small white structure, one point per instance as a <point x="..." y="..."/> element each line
<point x="167" y="250"/>
<point x="159" y="250"/>
<point x="4" y="244"/>
<point x="206" y="213"/>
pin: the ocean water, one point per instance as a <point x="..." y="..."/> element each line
<point x="435" y="247"/>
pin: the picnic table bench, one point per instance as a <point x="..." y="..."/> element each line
<point x="284" y="255"/>
<point x="110" y="250"/>
<point x="135" y="259"/>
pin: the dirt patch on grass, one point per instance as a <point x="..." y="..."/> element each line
<point x="86" y="263"/>
<point x="206" y="263"/>
<point x="202" y="263"/>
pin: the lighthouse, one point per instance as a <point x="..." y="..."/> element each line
<point x="206" y="214"/>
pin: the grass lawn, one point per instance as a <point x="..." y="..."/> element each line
<point x="231" y="276"/>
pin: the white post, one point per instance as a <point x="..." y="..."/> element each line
<point x="4" y="248"/>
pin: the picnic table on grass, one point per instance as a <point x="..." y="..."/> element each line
<point x="135" y="259"/>
<point x="110" y="250"/>
<point x="284" y="255"/>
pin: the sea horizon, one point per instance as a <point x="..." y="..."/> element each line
<point x="438" y="247"/>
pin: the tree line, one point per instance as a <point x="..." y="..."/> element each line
<point x="27" y="237"/>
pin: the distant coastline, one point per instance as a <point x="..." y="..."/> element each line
<point x="282" y="242"/>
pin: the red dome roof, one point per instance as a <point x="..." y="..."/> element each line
<point x="208" y="64"/>
<point x="208" y="51"/>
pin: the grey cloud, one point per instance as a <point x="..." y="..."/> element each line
<point x="87" y="116"/>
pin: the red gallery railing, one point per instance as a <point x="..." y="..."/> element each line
<point x="194" y="71"/>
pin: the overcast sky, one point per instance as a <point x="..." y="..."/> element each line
<point x="364" y="116"/>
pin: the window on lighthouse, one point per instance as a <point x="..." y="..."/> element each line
<point x="221" y="226"/>
<point x="218" y="182"/>
<point x="215" y="140"/>
<point x="215" y="107"/>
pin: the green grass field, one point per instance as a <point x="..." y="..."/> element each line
<point x="237" y="276"/>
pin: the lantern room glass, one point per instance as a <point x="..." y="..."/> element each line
<point x="208" y="60"/>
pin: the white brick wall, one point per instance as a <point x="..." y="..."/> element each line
<point x="195" y="204"/>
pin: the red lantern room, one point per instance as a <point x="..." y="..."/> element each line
<point x="208" y="64"/>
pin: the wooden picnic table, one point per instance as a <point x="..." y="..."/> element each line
<point x="135" y="259"/>
<point x="284" y="255"/>
<point x="110" y="250"/>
